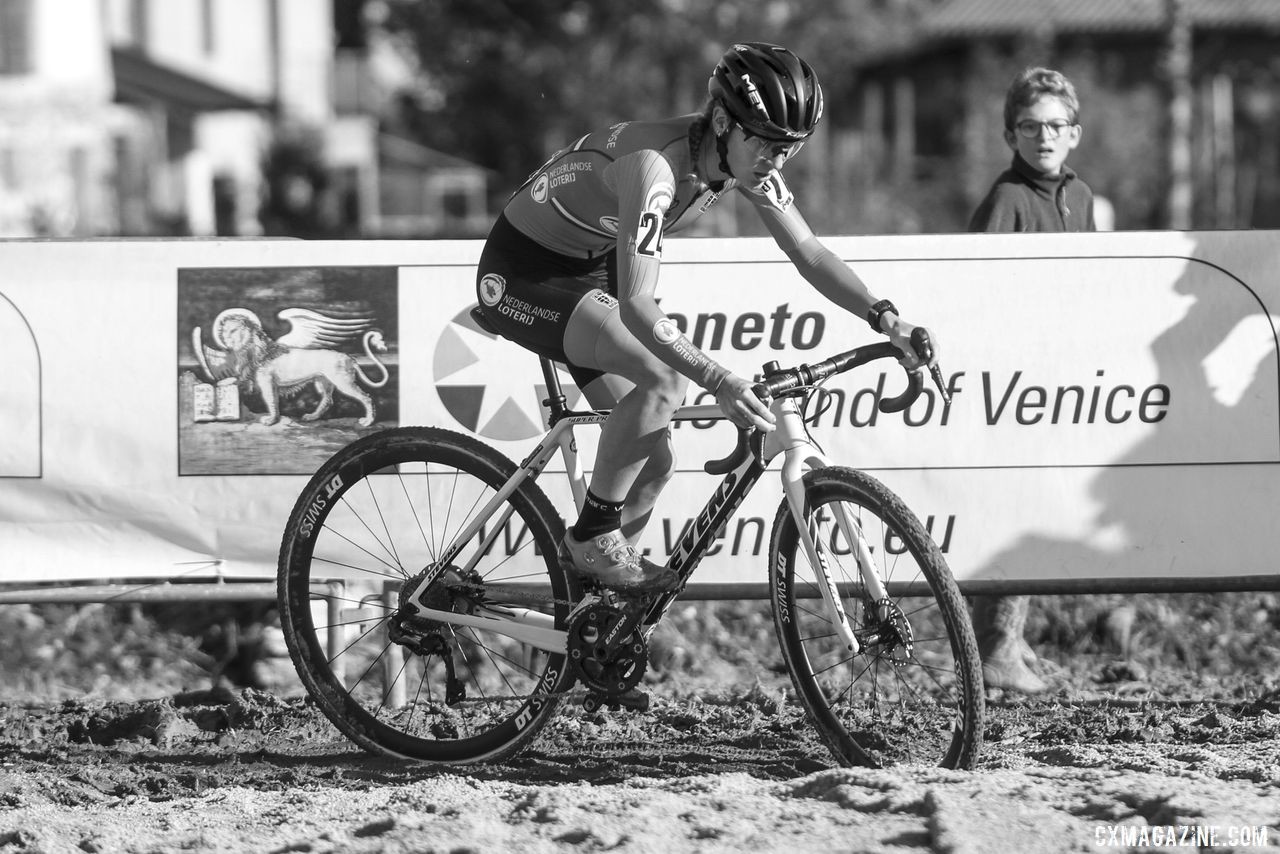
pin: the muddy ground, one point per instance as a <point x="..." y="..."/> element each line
<point x="723" y="761"/>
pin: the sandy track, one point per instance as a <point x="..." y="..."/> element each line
<point x="219" y="771"/>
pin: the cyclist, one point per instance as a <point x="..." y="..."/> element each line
<point x="570" y="268"/>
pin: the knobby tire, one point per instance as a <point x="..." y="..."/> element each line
<point x="377" y="514"/>
<point x="914" y="696"/>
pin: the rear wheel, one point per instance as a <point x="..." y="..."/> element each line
<point x="377" y="520"/>
<point x="913" y="694"/>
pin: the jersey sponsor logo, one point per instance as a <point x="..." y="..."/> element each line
<point x="566" y="173"/>
<point x="617" y="129"/>
<point x="708" y="198"/>
<point x="604" y="299"/>
<point x="609" y="224"/>
<point x="492" y="287"/>
<point x="526" y="313"/>
<point x="776" y="191"/>
<point x="665" y="331"/>
<point x="541" y="189"/>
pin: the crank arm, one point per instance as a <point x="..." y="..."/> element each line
<point x="622" y="630"/>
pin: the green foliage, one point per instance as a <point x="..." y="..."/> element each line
<point x="295" y="202"/>
<point x="505" y="83"/>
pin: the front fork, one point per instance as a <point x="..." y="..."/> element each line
<point x="799" y="455"/>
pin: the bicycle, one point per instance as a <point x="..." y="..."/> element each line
<point x="450" y="633"/>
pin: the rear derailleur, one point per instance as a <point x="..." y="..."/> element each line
<point x="418" y="637"/>
<point x="424" y="637"/>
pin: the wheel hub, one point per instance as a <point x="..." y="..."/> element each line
<point x="892" y="631"/>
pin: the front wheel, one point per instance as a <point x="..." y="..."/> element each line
<point x="389" y="514"/>
<point x="913" y="694"/>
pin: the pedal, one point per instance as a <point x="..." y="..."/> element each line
<point x="633" y="700"/>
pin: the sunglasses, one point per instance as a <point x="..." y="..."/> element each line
<point x="771" y="149"/>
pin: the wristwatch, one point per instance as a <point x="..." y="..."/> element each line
<point x="877" y="311"/>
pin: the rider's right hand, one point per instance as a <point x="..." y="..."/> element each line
<point x="740" y="404"/>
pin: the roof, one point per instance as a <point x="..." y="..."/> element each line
<point x="962" y="19"/>
<point x="140" y="79"/>
<point x="403" y="152"/>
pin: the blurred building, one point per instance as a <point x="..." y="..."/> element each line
<point x="207" y="117"/>
<point x="1180" y="112"/>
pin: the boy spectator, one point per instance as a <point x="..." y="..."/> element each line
<point x="1037" y="193"/>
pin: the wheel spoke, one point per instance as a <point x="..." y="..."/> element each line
<point x="391" y="678"/>
<point x="898" y="698"/>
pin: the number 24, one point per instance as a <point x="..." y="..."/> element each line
<point x="650" y="236"/>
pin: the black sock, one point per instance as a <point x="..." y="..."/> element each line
<point x="597" y="517"/>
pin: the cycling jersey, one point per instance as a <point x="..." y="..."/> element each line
<point x="615" y="193"/>
<point x="571" y="204"/>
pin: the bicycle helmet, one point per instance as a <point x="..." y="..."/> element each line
<point x="768" y="90"/>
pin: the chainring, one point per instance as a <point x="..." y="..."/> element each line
<point x="596" y="669"/>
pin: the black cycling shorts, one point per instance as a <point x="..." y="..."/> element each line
<point x="527" y="292"/>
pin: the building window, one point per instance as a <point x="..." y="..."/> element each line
<point x="15" y="36"/>
<point x="456" y="203"/>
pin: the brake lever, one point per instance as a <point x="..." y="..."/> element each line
<point x="936" y="373"/>
<point x="923" y="345"/>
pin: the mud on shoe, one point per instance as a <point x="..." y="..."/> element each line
<point x="612" y="562"/>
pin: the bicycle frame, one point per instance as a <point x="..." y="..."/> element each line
<point x="741" y="471"/>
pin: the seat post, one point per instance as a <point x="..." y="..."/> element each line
<point x="555" y="394"/>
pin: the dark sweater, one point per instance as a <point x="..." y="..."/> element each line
<point x="1022" y="199"/>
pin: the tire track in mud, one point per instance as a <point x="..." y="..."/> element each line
<point x="223" y="771"/>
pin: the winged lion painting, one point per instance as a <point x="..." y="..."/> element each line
<point x="310" y="354"/>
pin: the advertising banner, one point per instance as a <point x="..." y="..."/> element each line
<point x="1114" y="421"/>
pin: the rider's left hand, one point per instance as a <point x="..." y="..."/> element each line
<point x="899" y="333"/>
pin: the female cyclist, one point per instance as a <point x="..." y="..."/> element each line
<point x="570" y="269"/>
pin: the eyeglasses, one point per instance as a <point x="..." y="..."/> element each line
<point x="1030" y="129"/>
<point x="771" y="149"/>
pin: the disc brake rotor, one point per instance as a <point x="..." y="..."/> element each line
<point x="891" y="633"/>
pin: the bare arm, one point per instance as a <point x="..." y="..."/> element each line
<point x="644" y="183"/>
<point x="820" y="267"/>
